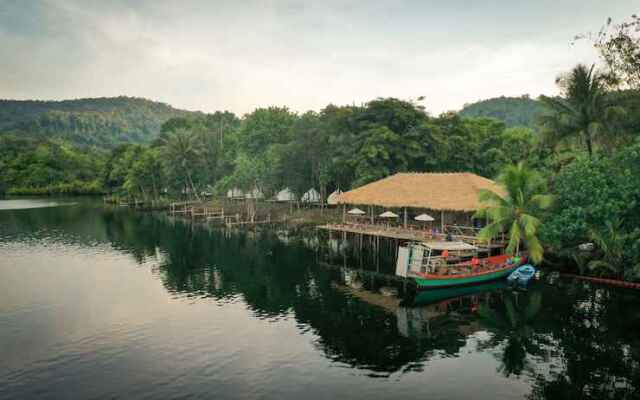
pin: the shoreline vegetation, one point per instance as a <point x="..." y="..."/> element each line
<point x="582" y="147"/>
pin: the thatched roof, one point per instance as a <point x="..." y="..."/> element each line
<point x="456" y="191"/>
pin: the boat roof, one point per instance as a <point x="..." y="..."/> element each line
<point x="447" y="245"/>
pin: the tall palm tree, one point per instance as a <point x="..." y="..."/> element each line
<point x="583" y="112"/>
<point x="182" y="151"/>
<point x="518" y="211"/>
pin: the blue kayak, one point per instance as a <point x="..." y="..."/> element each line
<point x="522" y="275"/>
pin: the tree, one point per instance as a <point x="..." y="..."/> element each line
<point x="145" y="175"/>
<point x="519" y="212"/>
<point x="619" y="47"/>
<point x="583" y="113"/>
<point x="182" y="157"/>
<point x="264" y="127"/>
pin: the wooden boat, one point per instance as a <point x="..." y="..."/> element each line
<point x="494" y="268"/>
<point x="431" y="271"/>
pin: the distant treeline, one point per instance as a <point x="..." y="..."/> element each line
<point x="100" y="122"/>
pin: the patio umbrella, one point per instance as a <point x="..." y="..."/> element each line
<point x="356" y="211"/>
<point x="424" y="218"/>
<point x="388" y="214"/>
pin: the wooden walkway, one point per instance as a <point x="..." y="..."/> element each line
<point x="400" y="233"/>
<point x="192" y="210"/>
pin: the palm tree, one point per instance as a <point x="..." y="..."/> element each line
<point x="182" y="152"/>
<point x="611" y="243"/>
<point x="584" y="111"/>
<point x="518" y="212"/>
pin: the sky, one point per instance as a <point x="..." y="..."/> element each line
<point x="238" y="55"/>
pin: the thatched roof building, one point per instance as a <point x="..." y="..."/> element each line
<point x="457" y="191"/>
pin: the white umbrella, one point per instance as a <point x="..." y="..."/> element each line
<point x="356" y="211"/>
<point x="388" y="214"/>
<point x="424" y="218"/>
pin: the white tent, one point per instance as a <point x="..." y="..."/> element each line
<point x="311" y="196"/>
<point x="388" y="214"/>
<point x="235" y="193"/>
<point x="424" y="218"/>
<point x="356" y="211"/>
<point x="285" y="195"/>
<point x="332" y="200"/>
<point x="254" y="194"/>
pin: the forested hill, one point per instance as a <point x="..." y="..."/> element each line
<point x="102" y="122"/>
<point x="514" y="111"/>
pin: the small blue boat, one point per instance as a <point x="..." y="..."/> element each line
<point x="522" y="275"/>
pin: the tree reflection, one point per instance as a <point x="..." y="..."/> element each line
<point x="512" y="324"/>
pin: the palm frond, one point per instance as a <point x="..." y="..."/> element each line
<point x="529" y="224"/>
<point x="542" y="201"/>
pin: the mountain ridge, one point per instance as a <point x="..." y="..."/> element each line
<point x="98" y="121"/>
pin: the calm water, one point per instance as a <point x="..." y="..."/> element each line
<point x="104" y="303"/>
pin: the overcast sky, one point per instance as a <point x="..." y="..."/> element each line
<point x="238" y="55"/>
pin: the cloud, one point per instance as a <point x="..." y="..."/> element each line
<point x="221" y="55"/>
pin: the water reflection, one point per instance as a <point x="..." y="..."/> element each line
<point x="564" y="339"/>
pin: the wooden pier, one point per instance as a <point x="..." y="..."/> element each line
<point x="190" y="209"/>
<point x="407" y="234"/>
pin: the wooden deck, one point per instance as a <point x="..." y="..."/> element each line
<point x="399" y="233"/>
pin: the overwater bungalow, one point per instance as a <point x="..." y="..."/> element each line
<point x="450" y="199"/>
<point x="417" y="207"/>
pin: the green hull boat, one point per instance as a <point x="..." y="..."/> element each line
<point x="435" y="283"/>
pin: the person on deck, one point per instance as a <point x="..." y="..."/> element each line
<point x="449" y="237"/>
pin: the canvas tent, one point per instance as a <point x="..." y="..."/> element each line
<point x="332" y="200"/>
<point x="285" y="195"/>
<point x="311" y="196"/>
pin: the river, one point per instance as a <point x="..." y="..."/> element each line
<point x="107" y="303"/>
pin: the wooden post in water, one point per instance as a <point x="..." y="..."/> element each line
<point x="405" y="218"/>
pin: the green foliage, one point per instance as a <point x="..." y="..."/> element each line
<point x="47" y="167"/>
<point x="519" y="213"/>
<point x="598" y="200"/>
<point x="263" y="128"/>
<point x="612" y="243"/>
<point x="585" y="196"/>
<point x="513" y="111"/>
